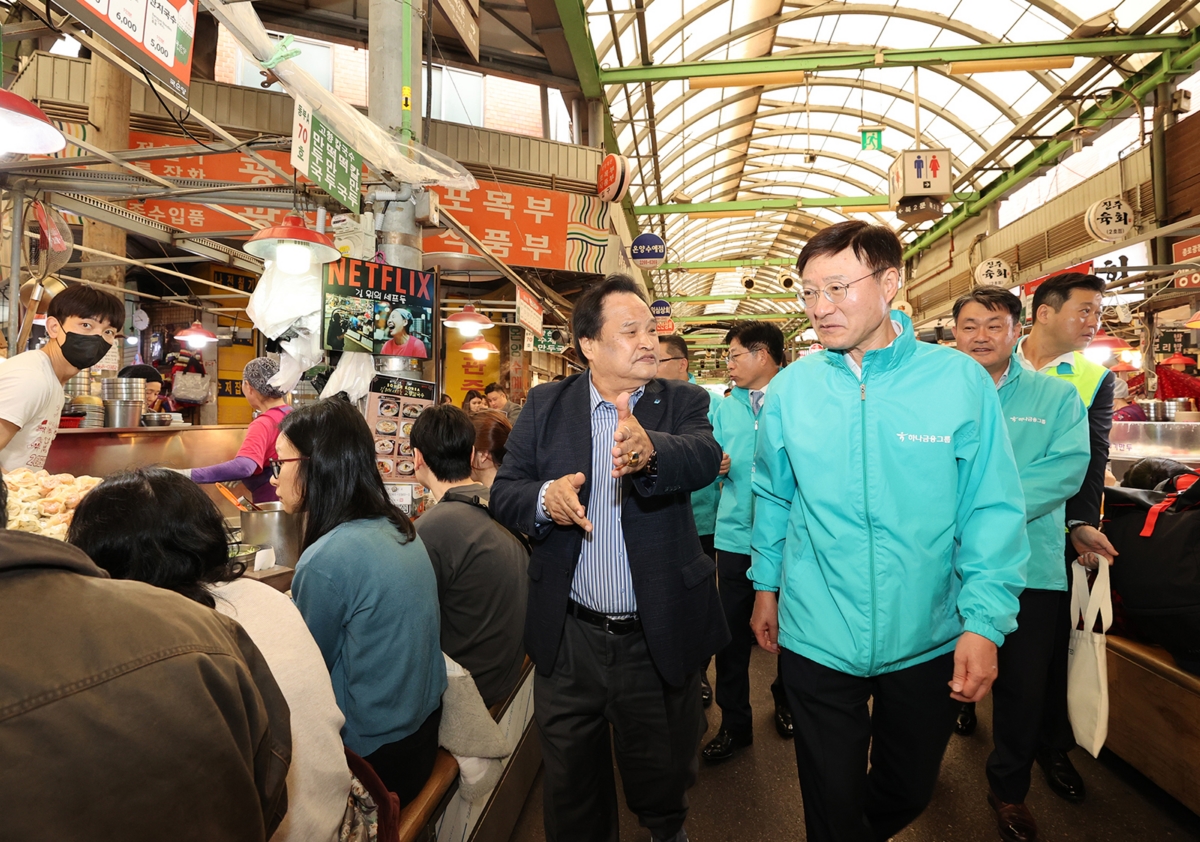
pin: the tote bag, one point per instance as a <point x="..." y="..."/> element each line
<point x="1087" y="664"/>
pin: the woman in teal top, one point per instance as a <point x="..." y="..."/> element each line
<point x="365" y="587"/>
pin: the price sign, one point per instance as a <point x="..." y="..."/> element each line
<point x="325" y="158"/>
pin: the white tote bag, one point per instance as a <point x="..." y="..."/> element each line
<point x="1087" y="664"/>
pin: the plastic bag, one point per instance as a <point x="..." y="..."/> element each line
<point x="300" y="352"/>
<point x="279" y="300"/>
<point x="1087" y="664"/>
<point x="353" y="376"/>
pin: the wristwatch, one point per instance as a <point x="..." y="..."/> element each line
<point x="651" y="468"/>
<point x="1071" y="524"/>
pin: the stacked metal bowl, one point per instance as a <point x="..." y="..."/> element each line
<point x="92" y="408"/>
<point x="124" y="400"/>
<point x="80" y="384"/>
<point x="156" y="419"/>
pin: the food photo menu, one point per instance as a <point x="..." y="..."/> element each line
<point x="393" y="404"/>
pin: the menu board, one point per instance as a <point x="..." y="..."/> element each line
<point x="374" y="308"/>
<point x="393" y="404"/>
<point x="156" y="35"/>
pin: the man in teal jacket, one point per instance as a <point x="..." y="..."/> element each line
<point x="1048" y="430"/>
<point x="888" y="547"/>
<point x="673" y="362"/>
<point x="755" y="357"/>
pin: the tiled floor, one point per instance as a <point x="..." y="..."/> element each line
<point x="755" y="796"/>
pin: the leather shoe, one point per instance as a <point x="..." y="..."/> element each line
<point x="1014" y="821"/>
<point x="705" y="691"/>
<point x="724" y="746"/>
<point x="783" y="722"/>
<point x="964" y="726"/>
<point x="1061" y="775"/>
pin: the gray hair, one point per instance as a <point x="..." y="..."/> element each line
<point x="258" y="373"/>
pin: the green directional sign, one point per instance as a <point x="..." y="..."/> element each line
<point x="872" y="139"/>
<point x="325" y="158"/>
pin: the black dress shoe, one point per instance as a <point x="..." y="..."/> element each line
<point x="783" y="722"/>
<point x="964" y="726"/>
<point x="724" y="746"/>
<point x="1061" y="775"/>
<point x="705" y="691"/>
<point x="1014" y="821"/>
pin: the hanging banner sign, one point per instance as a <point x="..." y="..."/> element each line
<point x="993" y="272"/>
<point x="661" y="309"/>
<point x="324" y="158"/>
<point x="377" y="309"/>
<point x="648" y="251"/>
<point x="664" y="327"/>
<point x="612" y="183"/>
<point x="529" y="311"/>
<point x="1187" y="251"/>
<point x="156" y="35"/>
<point x="465" y="23"/>
<point x="1109" y="220"/>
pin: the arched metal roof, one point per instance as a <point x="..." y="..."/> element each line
<point x="742" y="143"/>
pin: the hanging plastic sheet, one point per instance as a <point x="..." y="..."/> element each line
<point x="411" y="163"/>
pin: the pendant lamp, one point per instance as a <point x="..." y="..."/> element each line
<point x="292" y="245"/>
<point x="479" y="348"/>
<point x="468" y="321"/>
<point x="196" y="336"/>
<point x="25" y="128"/>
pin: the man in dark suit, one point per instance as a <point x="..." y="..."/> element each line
<point x="623" y="607"/>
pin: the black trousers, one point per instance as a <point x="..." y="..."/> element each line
<point x="706" y="544"/>
<point x="405" y="765"/>
<point x="605" y="683"/>
<point x="905" y="732"/>
<point x="1056" y="724"/>
<point x="732" y="688"/>
<point x="1019" y="694"/>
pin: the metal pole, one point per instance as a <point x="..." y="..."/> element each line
<point x="14" y="274"/>
<point x="917" y="107"/>
<point x="1158" y="167"/>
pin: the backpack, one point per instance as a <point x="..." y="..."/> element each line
<point x="477" y="502"/>
<point x="1157" y="574"/>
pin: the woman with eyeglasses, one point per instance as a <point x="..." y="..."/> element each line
<point x="366" y="588"/>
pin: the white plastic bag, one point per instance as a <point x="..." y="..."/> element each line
<point x="353" y="376"/>
<point x="1087" y="661"/>
<point x="280" y="300"/>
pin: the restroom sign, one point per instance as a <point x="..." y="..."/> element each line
<point x="920" y="172"/>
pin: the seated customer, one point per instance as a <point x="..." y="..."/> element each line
<point x="491" y="437"/>
<point x="366" y="589"/>
<point x="186" y="736"/>
<point x="480" y="565"/>
<point x="154" y="526"/>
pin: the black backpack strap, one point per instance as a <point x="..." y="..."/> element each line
<point x="477" y="502"/>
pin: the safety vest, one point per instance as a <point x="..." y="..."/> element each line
<point x="1083" y="374"/>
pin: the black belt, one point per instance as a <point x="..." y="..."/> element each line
<point x="611" y="625"/>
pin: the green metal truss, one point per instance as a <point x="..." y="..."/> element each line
<point x="865" y="59"/>
<point x="729" y="264"/>
<point x="763" y="204"/>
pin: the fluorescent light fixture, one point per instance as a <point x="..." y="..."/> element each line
<point x="747" y="80"/>
<point x="1005" y="65"/>
<point x="865" y="208"/>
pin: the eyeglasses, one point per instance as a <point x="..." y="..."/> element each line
<point x="834" y="293"/>
<point x="732" y="358"/>
<point x="669" y="359"/>
<point x="276" y="465"/>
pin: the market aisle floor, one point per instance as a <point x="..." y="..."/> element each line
<point x="755" y="796"/>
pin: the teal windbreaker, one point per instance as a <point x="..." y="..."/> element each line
<point x="736" y="429"/>
<point x="704" y="501"/>
<point x="888" y="513"/>
<point x="1048" y="430"/>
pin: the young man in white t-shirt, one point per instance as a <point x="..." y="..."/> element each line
<point x="83" y="323"/>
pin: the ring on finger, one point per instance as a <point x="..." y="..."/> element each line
<point x="634" y="458"/>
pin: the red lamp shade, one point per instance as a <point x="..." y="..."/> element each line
<point x="25" y="128"/>
<point x="1178" y="359"/>
<point x="1123" y="366"/>
<point x="479" y="348"/>
<point x="468" y="321"/>
<point x="1194" y="321"/>
<point x="1112" y="343"/>
<point x="292" y="232"/>
<point x="196" y="336"/>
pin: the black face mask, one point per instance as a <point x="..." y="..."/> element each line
<point x="84" y="351"/>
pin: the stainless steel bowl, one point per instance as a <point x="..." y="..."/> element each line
<point x="156" y="419"/>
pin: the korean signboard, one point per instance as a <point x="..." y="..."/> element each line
<point x="464" y="372"/>
<point x="324" y="158"/>
<point x="529" y="311"/>
<point x="993" y="272"/>
<point x="377" y="309"/>
<point x="547" y="344"/>
<point x="648" y="251"/>
<point x="1109" y="220"/>
<point x="1172" y="342"/>
<point x="525" y="226"/>
<point x="1187" y="251"/>
<point x="156" y="35"/>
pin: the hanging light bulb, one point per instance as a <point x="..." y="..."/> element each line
<point x="196" y="336"/>
<point x="25" y="128"/>
<point x="479" y="348"/>
<point x="468" y="321"/>
<point x="293" y="258"/>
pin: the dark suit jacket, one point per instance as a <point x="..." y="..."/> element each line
<point x="673" y="579"/>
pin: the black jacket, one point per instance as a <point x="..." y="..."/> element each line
<point x="674" y="581"/>
<point x="128" y="711"/>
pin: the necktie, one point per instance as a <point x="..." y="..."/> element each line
<point x="756" y="400"/>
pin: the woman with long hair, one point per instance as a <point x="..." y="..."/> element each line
<point x="154" y="526"/>
<point x="491" y="435"/>
<point x="365" y="587"/>
<point x="474" y="402"/>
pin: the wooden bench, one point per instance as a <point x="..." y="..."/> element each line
<point x="1154" y="717"/>
<point x="495" y="818"/>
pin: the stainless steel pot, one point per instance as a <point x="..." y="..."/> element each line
<point x="273" y="527"/>
<point x="1155" y="410"/>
